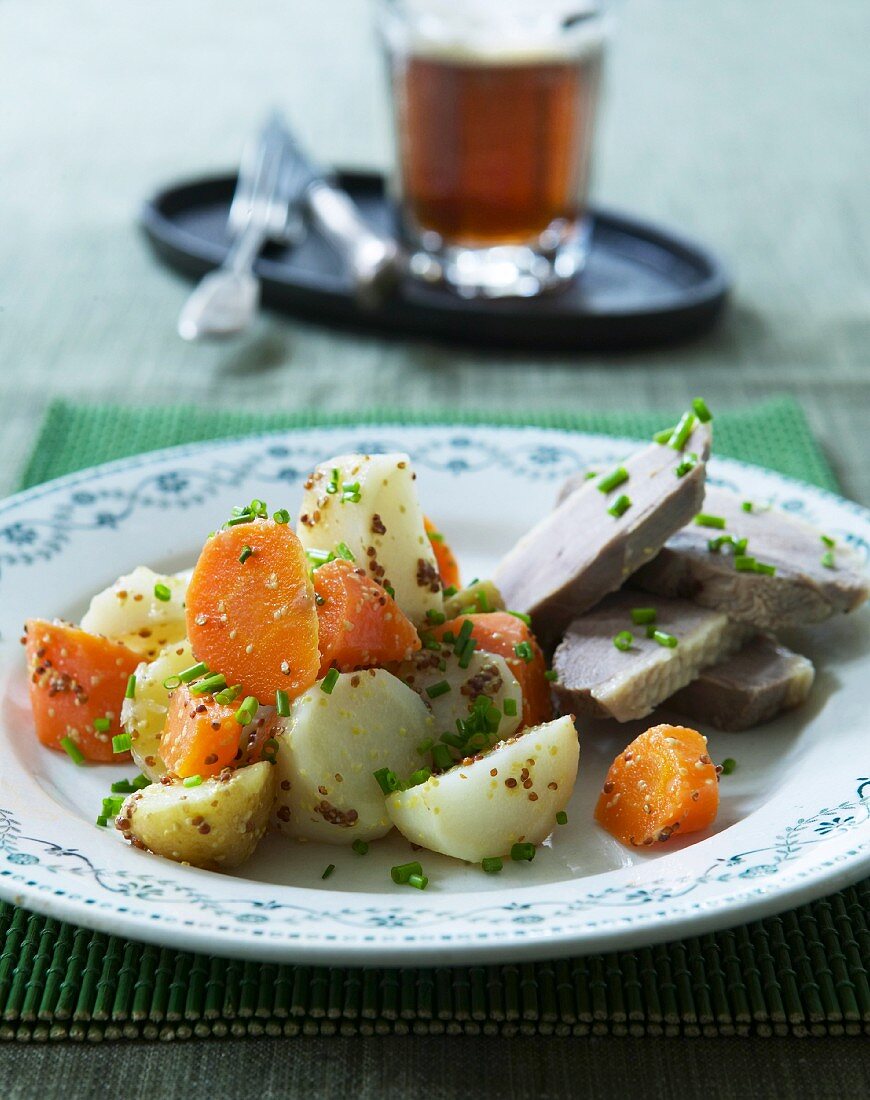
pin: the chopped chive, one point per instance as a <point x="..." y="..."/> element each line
<point x="828" y="541"/>
<point x="491" y="864"/>
<point x="640" y="616"/>
<point x="436" y="617"/>
<point x="613" y="479"/>
<point x="282" y="703"/>
<point x="436" y="536"/>
<point x="687" y="465"/>
<point x="451" y="590"/>
<point x="430" y="642"/>
<point x="191" y="673"/>
<point x="716" y="544"/>
<point x="192" y="781"/>
<point x="319" y="557"/>
<point x="228" y="695"/>
<point x="524" y="651"/>
<point x="702" y="519"/>
<point x="162" y="592"/>
<point x="728" y="765"/>
<point x="360" y="847"/>
<point x="350" y="492"/>
<point x="682" y="431"/>
<point x="258" y="507"/>
<point x="245" y="554"/>
<point x="334" y="481"/>
<point x="329" y="681"/>
<point x="247" y="712"/>
<point x="448" y="637"/>
<point x="620" y="506"/>
<point x="344" y="551"/>
<point x="281" y="516"/>
<point x="747" y="505"/>
<point x="102" y="725"/>
<point x="122" y="742"/>
<point x="463" y="636"/>
<point x="467" y="653"/>
<point x="387" y="780"/>
<point x="701" y="410"/>
<point x="112" y="805"/>
<point x="102" y="821"/>
<point x="328" y="871"/>
<point x="418" y="777"/>
<point x="589" y="474"/>
<point x="141" y="782"/>
<point x="391" y="592"/>
<point x="740" y="546"/>
<point x="745" y="564"/>
<point x="456" y="740"/>
<point x="552" y="675"/>
<point x="401" y="873"/>
<point x="664" y="436"/>
<point x="122" y="786"/>
<point x="130" y="692"/>
<point x="765" y="568"/>
<point x="425" y="746"/>
<point x="665" y="639"/>
<point x="510" y="707"/>
<point x="209" y="685"/>
<point x="245" y="517"/>
<point x="441" y="688"/>
<point x="522" y="616"/>
<point x="827" y="560"/>
<point x="561" y="818"/>
<point x="520" y="852"/>
<point x="623" y="640"/>
<point x="441" y="757"/>
<point x="419" y="882"/>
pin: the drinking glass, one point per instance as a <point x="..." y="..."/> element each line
<point x="494" y="104"/>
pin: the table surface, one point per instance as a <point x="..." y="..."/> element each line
<point x="744" y="124"/>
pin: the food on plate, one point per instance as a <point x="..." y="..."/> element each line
<point x="758" y="564"/>
<point x="77" y="682"/>
<point x="143" y="610"/>
<point x="251" y="612"/>
<point x="757" y="683"/>
<point x="365" y="507"/>
<point x="604" y="530"/>
<point x="509" y="636"/>
<point x="484" y="805"/>
<point x="626" y="656"/>
<point x="663" y="784"/>
<point x="359" y="624"/>
<point x="448" y="566"/>
<point x="338" y="735"/>
<point x="144" y="710"/>
<point x="216" y="823"/>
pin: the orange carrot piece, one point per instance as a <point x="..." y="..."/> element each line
<point x="501" y="633"/>
<point x="360" y="624"/>
<point x="200" y="735"/>
<point x="448" y="566"/>
<point x="254" y="620"/>
<point x="662" y="783"/>
<point x="77" y="678"/>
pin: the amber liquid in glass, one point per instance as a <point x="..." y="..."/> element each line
<point x="495" y="153"/>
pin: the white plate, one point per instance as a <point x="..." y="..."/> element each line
<point x="795" y="815"/>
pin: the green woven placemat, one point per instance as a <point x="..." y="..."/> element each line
<point x="804" y="972"/>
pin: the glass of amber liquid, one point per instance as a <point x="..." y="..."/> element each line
<point x="495" y="104"/>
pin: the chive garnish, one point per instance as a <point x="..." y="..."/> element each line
<point x="282" y="703"/>
<point x="244" y="517"/>
<point x="122" y="786"/>
<point x="209" y="685"/>
<point x="247" y="712"/>
<point x="664" y="639"/>
<point x="455" y="740"/>
<point x="112" y="805"/>
<point x="623" y="640"/>
<point x="419" y="882"/>
<point x="436" y="536"/>
<point x="828" y="541"/>
<point x="703" y="519"/>
<point x="102" y="725"/>
<point x="827" y="560"/>
<point x="344" y="551"/>
<point x="765" y="568"/>
<point x="401" y="873"/>
<point x="72" y="750"/>
<point x="491" y="864"/>
<point x="228" y="695"/>
<point x="334" y="481"/>
<point x="436" y="617"/>
<point x="122" y="742"/>
<point x="561" y="818"/>
<point x="520" y="852"/>
<point x="682" y="431"/>
<point x="102" y="821"/>
<point x="524" y="651"/>
<point x="391" y="592"/>
<point x="328" y="871"/>
<point x="441" y="688"/>
<point x="281" y="516"/>
<point x="620" y="506"/>
<point x="417" y="777"/>
<point x="258" y="507"/>
<point x="141" y="782"/>
<point x="162" y="592"/>
<point x="552" y="675"/>
<point x="130" y="692"/>
<point x="728" y="765"/>
<point x="192" y="781"/>
<point x="701" y="410"/>
<point x="329" y="681"/>
<point x="350" y="492"/>
<point x="522" y="616"/>
<point x="191" y="673"/>
<point x="360" y="847"/>
<point x="467" y="652"/>
<point x="510" y="707"/>
<point x="387" y="780"/>
<point x="441" y="757"/>
<point x="640" y="616"/>
<point x="451" y="590"/>
<point x="687" y="465"/>
<point x="245" y="554"/>
<point x="747" y="506"/>
<point x="612" y="480"/>
<point x="664" y="436"/>
<point x="743" y="563"/>
<point x="425" y="746"/>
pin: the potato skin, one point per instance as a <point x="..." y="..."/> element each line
<point x="216" y="825"/>
<point x="144" y="716"/>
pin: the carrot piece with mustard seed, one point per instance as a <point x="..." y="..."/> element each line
<point x="200" y="735"/>
<point x="445" y="559"/>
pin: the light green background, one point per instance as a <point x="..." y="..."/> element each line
<point x="745" y="122"/>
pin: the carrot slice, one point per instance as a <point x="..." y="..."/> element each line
<point x="200" y="735"/>
<point x="501" y="633"/>
<point x="76" y="679"/>
<point x="662" y="783"/>
<point x="448" y="566"/>
<point x="251" y="615"/>
<point x="360" y="624"/>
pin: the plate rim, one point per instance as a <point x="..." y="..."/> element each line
<point x="814" y="883"/>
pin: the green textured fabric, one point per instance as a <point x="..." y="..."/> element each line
<point x="802" y="973"/>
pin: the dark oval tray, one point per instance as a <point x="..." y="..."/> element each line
<point x="642" y="286"/>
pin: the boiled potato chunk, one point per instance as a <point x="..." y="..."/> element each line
<point x="128" y="611"/>
<point x="383" y="528"/>
<point x="330" y="746"/>
<point x="510" y="794"/>
<point x="216" y="825"/>
<point x="479" y="596"/>
<point x="144" y="716"/>
<point x="486" y="674"/>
